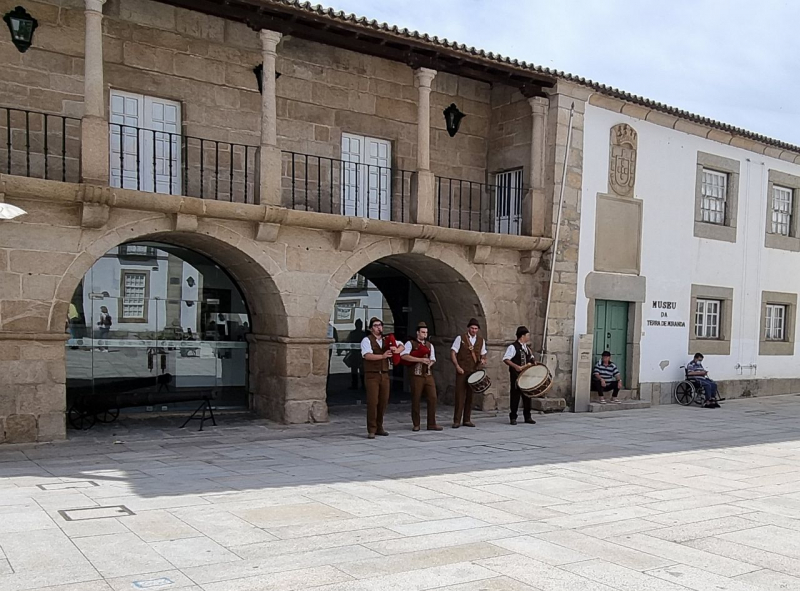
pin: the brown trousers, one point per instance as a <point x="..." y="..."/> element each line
<point x="463" y="410"/>
<point x="377" y="385"/>
<point x="423" y="385"/>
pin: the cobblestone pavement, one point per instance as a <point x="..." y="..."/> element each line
<point x="665" y="499"/>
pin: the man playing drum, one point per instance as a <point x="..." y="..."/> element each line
<point x="420" y="355"/>
<point x="468" y="354"/>
<point x="377" y="352"/>
<point x="516" y="357"/>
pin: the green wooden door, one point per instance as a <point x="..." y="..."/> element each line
<point x="611" y="332"/>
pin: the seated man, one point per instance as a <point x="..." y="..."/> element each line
<point x="605" y="377"/>
<point x="696" y="372"/>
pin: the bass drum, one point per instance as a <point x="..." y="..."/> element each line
<point x="479" y="381"/>
<point x="534" y="381"/>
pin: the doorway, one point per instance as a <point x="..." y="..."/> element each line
<point x="611" y="333"/>
<point x="366" y="177"/>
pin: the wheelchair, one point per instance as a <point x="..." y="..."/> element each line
<point x="689" y="391"/>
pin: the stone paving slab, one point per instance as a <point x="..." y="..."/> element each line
<point x="662" y="499"/>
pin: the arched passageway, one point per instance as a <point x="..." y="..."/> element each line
<point x="403" y="290"/>
<point x="157" y="324"/>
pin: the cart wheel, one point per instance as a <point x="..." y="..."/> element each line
<point x="81" y="419"/>
<point x="684" y="394"/>
<point x="108" y="415"/>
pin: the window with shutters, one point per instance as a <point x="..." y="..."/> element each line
<point x="145" y="143"/>
<point x="508" y="202"/>
<point x="134" y="296"/>
<point x="366" y="177"/>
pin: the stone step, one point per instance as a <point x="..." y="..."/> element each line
<point x="623" y="395"/>
<point x="624" y="405"/>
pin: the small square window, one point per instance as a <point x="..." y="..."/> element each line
<point x="782" y="198"/>
<point x="714" y="196"/>
<point x="707" y="319"/>
<point x="775" y="323"/>
<point x="133" y="295"/>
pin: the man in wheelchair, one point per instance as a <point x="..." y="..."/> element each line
<point x="696" y="373"/>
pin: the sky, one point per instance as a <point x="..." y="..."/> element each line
<point x="735" y="61"/>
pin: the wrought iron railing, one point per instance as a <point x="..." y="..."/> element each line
<point x="177" y="164"/>
<point x="39" y="145"/>
<point x="329" y="185"/>
<point x="480" y="207"/>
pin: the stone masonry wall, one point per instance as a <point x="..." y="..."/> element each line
<point x="290" y="284"/>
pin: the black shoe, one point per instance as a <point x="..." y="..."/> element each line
<point x="530" y="421"/>
<point x="716" y="405"/>
<point x="513" y="421"/>
<point x="382" y="432"/>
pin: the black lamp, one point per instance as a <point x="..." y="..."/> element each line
<point x="452" y="118"/>
<point x="22" y="25"/>
<point x="259" y="72"/>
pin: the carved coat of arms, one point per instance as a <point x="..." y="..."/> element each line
<point x="622" y="165"/>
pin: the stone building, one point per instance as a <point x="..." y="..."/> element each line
<point x="212" y="188"/>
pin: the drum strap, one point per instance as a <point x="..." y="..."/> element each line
<point x="471" y="347"/>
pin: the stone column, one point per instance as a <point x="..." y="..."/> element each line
<point x="534" y="206"/>
<point x="422" y="197"/>
<point x="94" y="125"/>
<point x="269" y="162"/>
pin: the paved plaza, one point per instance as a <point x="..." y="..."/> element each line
<point x="665" y="499"/>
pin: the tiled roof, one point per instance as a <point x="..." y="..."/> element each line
<point x="473" y="53"/>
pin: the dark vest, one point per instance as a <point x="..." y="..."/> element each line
<point x="465" y="356"/>
<point x="521" y="358"/>
<point x="377" y="366"/>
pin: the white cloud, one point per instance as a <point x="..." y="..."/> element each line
<point x="731" y="60"/>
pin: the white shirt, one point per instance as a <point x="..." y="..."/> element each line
<point x="330" y="331"/>
<point x="408" y="348"/>
<point x="457" y="344"/>
<point x="511" y="351"/>
<point x="366" y="345"/>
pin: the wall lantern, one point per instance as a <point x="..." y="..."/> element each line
<point x="452" y="118"/>
<point x="259" y="72"/>
<point x="22" y="25"/>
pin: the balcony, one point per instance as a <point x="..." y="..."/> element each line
<point x="329" y="185"/>
<point x="39" y="145"/>
<point x="47" y="146"/>
<point x="177" y="164"/>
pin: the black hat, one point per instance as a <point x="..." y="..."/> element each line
<point x="522" y="331"/>
<point x="373" y="320"/>
<point x="473" y="322"/>
<point x="421" y="325"/>
<point x="606" y="354"/>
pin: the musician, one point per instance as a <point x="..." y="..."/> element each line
<point x="517" y="356"/>
<point x="468" y="355"/>
<point x="376" y="351"/>
<point x="422" y="356"/>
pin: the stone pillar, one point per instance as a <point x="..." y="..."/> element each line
<point x="94" y="125"/>
<point x="534" y="206"/>
<point x="32" y="387"/>
<point x="561" y="328"/>
<point x="288" y="376"/>
<point x="269" y="159"/>
<point x="422" y="196"/>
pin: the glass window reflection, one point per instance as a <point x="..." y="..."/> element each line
<point x="157" y="326"/>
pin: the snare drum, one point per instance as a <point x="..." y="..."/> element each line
<point x="534" y="381"/>
<point x="479" y="381"/>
